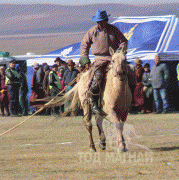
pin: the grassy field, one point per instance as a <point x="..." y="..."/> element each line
<point x="58" y="148"/>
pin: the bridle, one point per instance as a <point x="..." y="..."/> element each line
<point x="123" y="75"/>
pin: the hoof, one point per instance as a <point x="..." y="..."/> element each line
<point x="124" y="149"/>
<point x="92" y="149"/>
<point x="102" y="146"/>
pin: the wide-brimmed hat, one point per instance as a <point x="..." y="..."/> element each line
<point x="146" y="65"/>
<point x="58" y="59"/>
<point x="43" y="64"/>
<point x="35" y="65"/>
<point x="70" y="62"/>
<point x="55" y="65"/>
<point x="138" y="61"/>
<point x="100" y="16"/>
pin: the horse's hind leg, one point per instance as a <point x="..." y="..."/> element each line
<point x="99" y="120"/>
<point x="87" y="118"/>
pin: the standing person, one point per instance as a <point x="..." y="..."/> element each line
<point x="46" y="86"/>
<point x="138" y="92"/>
<point x="69" y="75"/>
<point x="177" y="69"/>
<point x="4" y="95"/>
<point x="24" y="94"/>
<point x="58" y="61"/>
<point x="40" y="75"/>
<point x="61" y="71"/>
<point x="147" y="89"/>
<point x="64" y="65"/>
<point x="100" y="37"/>
<point x="159" y="77"/>
<point x="54" y="84"/>
<point x="13" y="83"/>
<point x="46" y="80"/>
<point x="37" y="91"/>
<point x="60" y="75"/>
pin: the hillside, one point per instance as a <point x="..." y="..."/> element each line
<point x="46" y="18"/>
<point x="42" y="28"/>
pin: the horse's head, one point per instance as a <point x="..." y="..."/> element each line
<point x="119" y="62"/>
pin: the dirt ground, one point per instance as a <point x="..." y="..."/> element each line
<point x="58" y="148"/>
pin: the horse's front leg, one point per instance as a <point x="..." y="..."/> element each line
<point x="122" y="115"/>
<point x="87" y="118"/>
<point x="115" y="119"/>
<point x="99" y="121"/>
<point x="120" y="138"/>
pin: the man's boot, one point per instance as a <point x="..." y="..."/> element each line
<point x="95" y="91"/>
<point x="95" y="108"/>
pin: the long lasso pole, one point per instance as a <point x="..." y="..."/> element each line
<point x="72" y="82"/>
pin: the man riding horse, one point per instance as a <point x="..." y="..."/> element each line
<point x="100" y="37"/>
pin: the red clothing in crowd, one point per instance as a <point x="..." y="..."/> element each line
<point x="37" y="92"/>
<point x="61" y="81"/>
<point x="4" y="96"/>
<point x="138" y="92"/>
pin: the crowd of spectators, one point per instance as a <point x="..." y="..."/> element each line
<point x="50" y="81"/>
<point x="46" y="83"/>
<point x="149" y="92"/>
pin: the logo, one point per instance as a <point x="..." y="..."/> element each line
<point x="130" y="33"/>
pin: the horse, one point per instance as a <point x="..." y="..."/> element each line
<point x="116" y="98"/>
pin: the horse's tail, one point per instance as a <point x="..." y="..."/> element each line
<point x="71" y="95"/>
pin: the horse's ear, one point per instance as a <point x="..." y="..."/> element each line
<point x="111" y="51"/>
<point x="123" y="46"/>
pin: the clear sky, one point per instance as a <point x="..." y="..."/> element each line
<point x="80" y="2"/>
